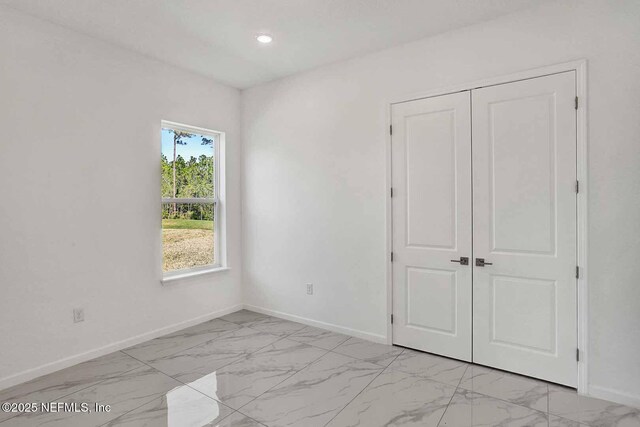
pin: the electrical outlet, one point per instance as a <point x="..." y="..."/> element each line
<point x="78" y="315"/>
<point x="309" y="288"/>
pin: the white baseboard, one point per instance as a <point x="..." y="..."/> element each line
<point x="614" y="396"/>
<point x="381" y="339"/>
<point x="57" y="365"/>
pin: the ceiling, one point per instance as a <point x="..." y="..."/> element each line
<point x="216" y="38"/>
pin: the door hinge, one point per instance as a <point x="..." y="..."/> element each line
<point x="392" y="319"/>
<point x="391" y="191"/>
<point x="577" y="272"/>
<point x="577" y="354"/>
<point x="577" y="186"/>
<point x="576" y="102"/>
<point x="391" y="256"/>
<point x="390" y="129"/>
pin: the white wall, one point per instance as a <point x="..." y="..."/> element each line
<point x="79" y="195"/>
<point x="314" y="171"/>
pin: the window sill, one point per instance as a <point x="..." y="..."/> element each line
<point x="170" y="278"/>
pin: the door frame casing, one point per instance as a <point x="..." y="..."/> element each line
<point x="580" y="68"/>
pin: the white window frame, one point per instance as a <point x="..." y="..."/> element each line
<point x="218" y="202"/>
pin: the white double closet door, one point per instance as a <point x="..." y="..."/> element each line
<point x="488" y="176"/>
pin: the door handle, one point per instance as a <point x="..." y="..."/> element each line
<point x="463" y="260"/>
<point x="480" y="262"/>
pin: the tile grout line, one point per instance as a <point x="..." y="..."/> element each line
<point x="196" y="345"/>
<point x="313" y="362"/>
<point x="364" y="388"/>
<point x="282" y="336"/>
<point x="134" y="409"/>
<point x="548" y="408"/>
<point x="304" y="367"/>
<point x="294" y="373"/>
<point x="191" y="388"/>
<point x="276" y="385"/>
<point x="149" y="401"/>
<point x="347" y="337"/>
<point x="405" y="372"/>
<point x="224" y="334"/>
<point x="207" y="342"/>
<point x="240" y="358"/>
<point x="83" y="388"/>
<point x="473" y="391"/>
<point x="452" y="395"/>
<point x="507" y="401"/>
<point x="235" y="411"/>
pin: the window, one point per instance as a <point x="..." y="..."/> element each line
<point x="191" y="202"/>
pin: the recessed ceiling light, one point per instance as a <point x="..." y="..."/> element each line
<point x="264" y="38"/>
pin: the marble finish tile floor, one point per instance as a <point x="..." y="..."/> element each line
<point x="253" y="370"/>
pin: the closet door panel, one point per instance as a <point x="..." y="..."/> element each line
<point x="524" y="201"/>
<point x="431" y="178"/>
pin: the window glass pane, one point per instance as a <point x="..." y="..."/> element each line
<point x="187" y="164"/>
<point x="187" y="235"/>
